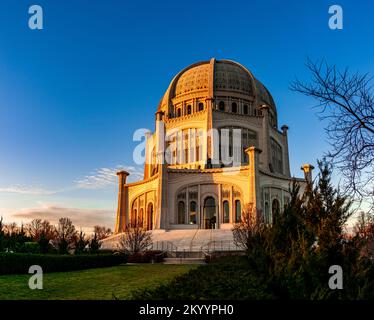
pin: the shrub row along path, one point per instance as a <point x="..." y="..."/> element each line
<point x="104" y="283"/>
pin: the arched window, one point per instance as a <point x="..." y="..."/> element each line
<point x="209" y="213"/>
<point x="179" y="112"/>
<point x="234" y="107"/>
<point x="201" y="106"/>
<point x="141" y="217"/>
<point x="238" y="211"/>
<point x="134" y="217"/>
<point x="193" y="212"/>
<point x="228" y="149"/>
<point x="275" y="207"/>
<point x="134" y="212"/>
<point x="226" y="212"/>
<point x="181" y="212"/>
<point x="221" y="106"/>
<point x="276" y="156"/>
<point x="245" y="109"/>
<point x="189" y="109"/>
<point x="267" y="213"/>
<point x="150" y="216"/>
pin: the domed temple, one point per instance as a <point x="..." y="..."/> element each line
<point x="216" y="150"/>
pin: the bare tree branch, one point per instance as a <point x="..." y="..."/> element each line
<point x="346" y="101"/>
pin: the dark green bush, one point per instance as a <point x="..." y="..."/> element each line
<point x="289" y="259"/>
<point x="19" y="263"/>
<point x="225" y="278"/>
<point x="31" y="247"/>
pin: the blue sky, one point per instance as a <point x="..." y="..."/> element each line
<point x="72" y="94"/>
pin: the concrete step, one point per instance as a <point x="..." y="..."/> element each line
<point x="184" y="261"/>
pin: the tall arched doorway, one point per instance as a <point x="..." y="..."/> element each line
<point x="210" y="218"/>
<point x="150" y="216"/>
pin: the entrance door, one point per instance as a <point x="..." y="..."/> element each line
<point x="210" y="218"/>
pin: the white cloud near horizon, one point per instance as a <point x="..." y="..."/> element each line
<point x="31" y="190"/>
<point x="83" y="219"/>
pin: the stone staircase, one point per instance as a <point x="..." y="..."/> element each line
<point x="185" y="246"/>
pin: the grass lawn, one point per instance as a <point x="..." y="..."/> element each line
<point x="93" y="283"/>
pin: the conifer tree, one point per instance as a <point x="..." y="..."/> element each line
<point x="81" y="243"/>
<point x="94" y="244"/>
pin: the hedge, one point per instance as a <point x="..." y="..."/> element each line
<point x="19" y="263"/>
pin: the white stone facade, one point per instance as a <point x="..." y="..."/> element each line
<point x="192" y="178"/>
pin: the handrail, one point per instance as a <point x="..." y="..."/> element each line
<point x="166" y="247"/>
<point x="219" y="246"/>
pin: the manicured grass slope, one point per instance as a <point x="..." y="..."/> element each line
<point x="98" y="284"/>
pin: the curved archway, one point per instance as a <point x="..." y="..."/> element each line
<point x="267" y="213"/>
<point x="226" y="212"/>
<point x="181" y="212"/>
<point x="141" y="217"/>
<point x="210" y="218"/>
<point x="150" y="216"/>
<point x="234" y="107"/>
<point x="275" y="207"/>
<point x="221" y="106"/>
<point x="238" y="211"/>
<point x="193" y="212"/>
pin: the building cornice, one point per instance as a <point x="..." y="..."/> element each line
<point x="213" y="170"/>
<point x="133" y="184"/>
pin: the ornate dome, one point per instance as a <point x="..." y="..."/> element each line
<point x="214" y="78"/>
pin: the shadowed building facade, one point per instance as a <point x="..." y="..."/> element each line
<point x="196" y="174"/>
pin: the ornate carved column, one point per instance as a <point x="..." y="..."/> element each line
<point x="265" y="140"/>
<point x="219" y="214"/>
<point x="286" y="160"/>
<point x="254" y="186"/>
<point x="123" y="206"/>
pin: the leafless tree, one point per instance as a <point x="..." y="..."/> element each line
<point x="11" y="228"/>
<point x="38" y="228"/>
<point x="102" y="232"/>
<point x="48" y="230"/>
<point x="34" y="229"/>
<point x="346" y="101"/>
<point x="364" y="229"/>
<point x="66" y="235"/>
<point x="135" y="239"/>
<point x="251" y="226"/>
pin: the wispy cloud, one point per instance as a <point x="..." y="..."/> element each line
<point x="98" y="179"/>
<point x="82" y="218"/>
<point x="21" y="189"/>
<point x="104" y="177"/>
